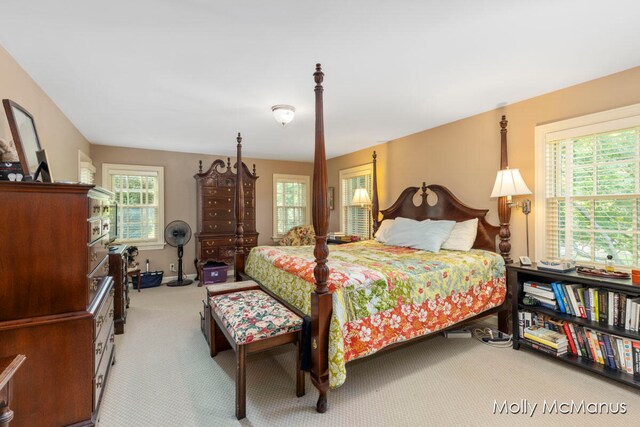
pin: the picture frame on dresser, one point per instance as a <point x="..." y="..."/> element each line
<point x="25" y="136"/>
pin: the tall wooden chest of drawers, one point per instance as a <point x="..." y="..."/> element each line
<point x="56" y="299"/>
<point x="118" y="270"/>
<point x="215" y="236"/>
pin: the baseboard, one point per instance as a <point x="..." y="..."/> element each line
<point x="166" y="279"/>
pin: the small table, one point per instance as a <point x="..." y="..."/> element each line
<point x="8" y="367"/>
<point x="134" y="272"/>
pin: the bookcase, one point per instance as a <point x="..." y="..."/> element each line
<point x="517" y="276"/>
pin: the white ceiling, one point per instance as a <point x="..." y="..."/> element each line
<point x="186" y="75"/>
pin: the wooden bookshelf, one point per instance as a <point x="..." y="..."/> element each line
<point x="517" y="275"/>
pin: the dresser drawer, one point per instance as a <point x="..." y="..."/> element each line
<point x="214" y="214"/>
<point x="95" y="229"/>
<point x="250" y="240"/>
<point x="99" y="381"/>
<point x="217" y="202"/>
<point x="100" y="345"/>
<point x="104" y="316"/>
<point x="95" y="208"/>
<point x="209" y="253"/>
<point x="219" y="192"/>
<point x="227" y="252"/>
<point x="220" y="226"/>
<point x="97" y="278"/>
<point x="106" y="225"/>
<point x="97" y="252"/>
<point x="214" y="243"/>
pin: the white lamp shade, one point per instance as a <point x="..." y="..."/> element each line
<point x="361" y="197"/>
<point x="283" y="113"/>
<point x="509" y="182"/>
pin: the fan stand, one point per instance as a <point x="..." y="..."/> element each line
<point x="180" y="281"/>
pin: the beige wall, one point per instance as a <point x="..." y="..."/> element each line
<point x="465" y="155"/>
<point x="57" y="134"/>
<point x="180" y="191"/>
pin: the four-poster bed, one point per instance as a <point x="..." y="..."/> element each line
<point x="356" y="307"/>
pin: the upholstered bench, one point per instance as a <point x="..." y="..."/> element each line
<point x="205" y="315"/>
<point x="253" y="321"/>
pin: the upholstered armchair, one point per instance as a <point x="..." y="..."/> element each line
<point x="301" y="235"/>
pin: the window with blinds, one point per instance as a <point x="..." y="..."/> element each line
<point x="291" y="202"/>
<point x="86" y="170"/>
<point x="139" y="194"/>
<point x="355" y="218"/>
<point x="592" y="196"/>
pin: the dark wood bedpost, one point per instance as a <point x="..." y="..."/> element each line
<point x="504" y="215"/>
<point x="504" y="211"/>
<point x="375" y="207"/>
<point x="321" y="299"/>
<point x="239" y="256"/>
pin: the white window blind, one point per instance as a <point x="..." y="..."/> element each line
<point x="87" y="173"/>
<point x="592" y="196"/>
<point x="291" y="202"/>
<point x="355" y="219"/>
<point x="139" y="194"/>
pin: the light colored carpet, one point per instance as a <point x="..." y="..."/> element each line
<point x="164" y="377"/>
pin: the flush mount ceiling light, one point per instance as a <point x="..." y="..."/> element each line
<point x="283" y="113"/>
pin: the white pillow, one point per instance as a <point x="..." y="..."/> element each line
<point x="426" y="235"/>
<point x="383" y="230"/>
<point x="462" y="236"/>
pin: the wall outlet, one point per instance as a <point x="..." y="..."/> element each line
<point x="172" y="267"/>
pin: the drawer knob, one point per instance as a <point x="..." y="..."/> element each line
<point x="112" y="338"/>
<point x="95" y="229"/>
<point x="111" y="313"/>
<point x="94" y="284"/>
<point x="99" y="322"/>
<point x="94" y="256"/>
<point x="99" y="349"/>
<point x="99" y="381"/>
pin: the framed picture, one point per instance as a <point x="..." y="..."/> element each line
<point x="330" y="196"/>
<point x="25" y="136"/>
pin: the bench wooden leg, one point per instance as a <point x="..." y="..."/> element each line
<point x="299" y="372"/>
<point x="240" y="383"/>
<point x="212" y="335"/>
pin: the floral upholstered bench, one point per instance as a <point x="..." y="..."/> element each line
<point x="253" y="321"/>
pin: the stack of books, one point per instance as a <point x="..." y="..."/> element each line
<point x="541" y="292"/>
<point x="546" y="340"/>
<point x="599" y="305"/>
<point x="615" y="352"/>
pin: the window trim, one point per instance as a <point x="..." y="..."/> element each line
<point x="351" y="173"/>
<point x="282" y="176"/>
<point x="109" y="168"/>
<point x="618" y="118"/>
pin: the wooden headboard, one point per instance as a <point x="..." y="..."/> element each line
<point x="445" y="206"/>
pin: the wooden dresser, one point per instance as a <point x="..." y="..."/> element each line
<point x="118" y="270"/>
<point x="215" y="236"/>
<point x="56" y="299"/>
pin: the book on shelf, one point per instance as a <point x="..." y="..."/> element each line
<point x="546" y="336"/>
<point x="563" y="337"/>
<point x="539" y="289"/>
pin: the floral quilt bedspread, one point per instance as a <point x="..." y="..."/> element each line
<point x="383" y="294"/>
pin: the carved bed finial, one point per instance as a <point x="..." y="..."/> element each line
<point x="254" y="169"/>
<point x="318" y="76"/>
<point x="228" y="163"/>
<point x="424" y="192"/>
<point x="200" y="166"/>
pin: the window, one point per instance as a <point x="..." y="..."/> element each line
<point x="355" y="219"/>
<point x="290" y="202"/>
<point x="139" y="192"/>
<point x="590" y="188"/>
<point x="86" y="170"/>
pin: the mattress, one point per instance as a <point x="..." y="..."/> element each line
<point x="383" y="294"/>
